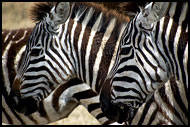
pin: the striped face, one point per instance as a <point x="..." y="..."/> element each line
<point x="140" y="68"/>
<point x="41" y="68"/>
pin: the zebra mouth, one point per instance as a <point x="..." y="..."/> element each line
<point x="127" y="112"/>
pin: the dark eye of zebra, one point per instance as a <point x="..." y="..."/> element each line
<point x="35" y="52"/>
<point x="145" y="12"/>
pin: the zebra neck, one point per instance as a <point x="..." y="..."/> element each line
<point x="93" y="38"/>
<point x="172" y="39"/>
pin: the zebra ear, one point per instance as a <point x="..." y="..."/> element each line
<point x="160" y="9"/>
<point x="152" y="13"/>
<point x="59" y="14"/>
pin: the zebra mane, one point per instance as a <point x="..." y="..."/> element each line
<point x="39" y="10"/>
<point x="108" y="12"/>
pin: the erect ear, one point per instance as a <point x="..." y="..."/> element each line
<point x="59" y="14"/>
<point x="152" y="13"/>
<point x="160" y="9"/>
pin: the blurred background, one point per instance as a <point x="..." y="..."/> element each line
<point x="16" y="15"/>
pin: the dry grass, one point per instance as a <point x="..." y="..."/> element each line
<point x="15" y="15"/>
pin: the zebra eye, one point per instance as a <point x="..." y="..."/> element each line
<point x="145" y="12"/>
<point x="35" y="52"/>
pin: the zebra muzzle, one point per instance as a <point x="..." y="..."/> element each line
<point x="112" y="111"/>
<point x="26" y="105"/>
<point x="119" y="112"/>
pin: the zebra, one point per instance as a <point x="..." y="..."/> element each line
<point x="82" y="16"/>
<point x="57" y="105"/>
<point x="153" y="49"/>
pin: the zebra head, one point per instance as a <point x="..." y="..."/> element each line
<point x="36" y="77"/>
<point x="136" y="73"/>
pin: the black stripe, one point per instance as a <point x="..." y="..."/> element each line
<point x="121" y="89"/>
<point x="128" y="97"/>
<point x="94" y="106"/>
<point x="84" y="94"/>
<point x="100" y="115"/>
<point x="83" y="51"/>
<point x="66" y="52"/>
<point x="136" y="31"/>
<point x="93" y="19"/>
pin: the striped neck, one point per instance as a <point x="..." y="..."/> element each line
<point x="94" y="36"/>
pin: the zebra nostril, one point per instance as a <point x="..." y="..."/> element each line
<point x="27" y="105"/>
<point x="14" y="99"/>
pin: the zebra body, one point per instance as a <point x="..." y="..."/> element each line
<point x="152" y="51"/>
